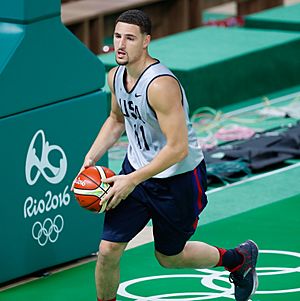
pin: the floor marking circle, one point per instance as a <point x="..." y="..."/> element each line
<point x="208" y="279"/>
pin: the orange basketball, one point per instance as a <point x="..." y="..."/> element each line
<point x="89" y="189"/>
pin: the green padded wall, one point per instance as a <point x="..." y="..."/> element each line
<point x="219" y="66"/>
<point x="279" y="18"/>
<point x="41" y="152"/>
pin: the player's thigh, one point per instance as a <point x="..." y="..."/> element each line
<point x="178" y="203"/>
<point x="125" y="221"/>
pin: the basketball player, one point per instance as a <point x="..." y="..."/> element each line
<point x="163" y="175"/>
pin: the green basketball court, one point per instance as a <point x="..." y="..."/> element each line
<point x="272" y="223"/>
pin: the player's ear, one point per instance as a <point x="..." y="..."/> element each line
<point x="147" y="40"/>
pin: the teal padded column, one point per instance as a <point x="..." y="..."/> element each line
<point x="44" y="62"/>
<point x="26" y="11"/>
<point x="52" y="106"/>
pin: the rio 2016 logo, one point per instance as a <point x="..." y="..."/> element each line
<point x="214" y="284"/>
<point x="38" y="164"/>
<point x="42" y="163"/>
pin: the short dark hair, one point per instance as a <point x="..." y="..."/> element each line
<point x="136" y="17"/>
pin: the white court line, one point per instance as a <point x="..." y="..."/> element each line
<point x="260" y="105"/>
<point x="267" y="174"/>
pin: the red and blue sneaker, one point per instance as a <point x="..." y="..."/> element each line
<point x="244" y="276"/>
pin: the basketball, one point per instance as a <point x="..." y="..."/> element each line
<point x="89" y="189"/>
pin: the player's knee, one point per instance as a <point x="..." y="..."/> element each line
<point x="110" y="251"/>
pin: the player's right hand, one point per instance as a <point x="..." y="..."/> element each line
<point x="86" y="163"/>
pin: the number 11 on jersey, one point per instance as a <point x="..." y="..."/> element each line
<point x="141" y="137"/>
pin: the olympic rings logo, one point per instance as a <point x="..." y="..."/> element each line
<point x="211" y="281"/>
<point x="48" y="231"/>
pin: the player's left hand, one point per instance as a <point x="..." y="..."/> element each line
<point x="121" y="187"/>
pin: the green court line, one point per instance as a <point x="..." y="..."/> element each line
<point x="273" y="227"/>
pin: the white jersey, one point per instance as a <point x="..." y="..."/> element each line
<point x="143" y="131"/>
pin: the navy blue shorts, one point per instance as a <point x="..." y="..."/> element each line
<point x="172" y="203"/>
